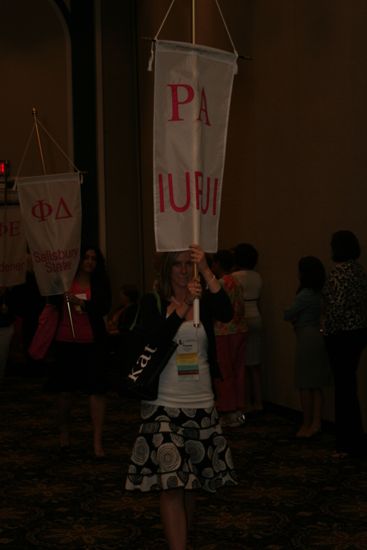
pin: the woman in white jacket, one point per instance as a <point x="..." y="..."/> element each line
<point x="246" y="257"/>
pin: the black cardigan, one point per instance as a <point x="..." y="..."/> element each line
<point x="159" y="328"/>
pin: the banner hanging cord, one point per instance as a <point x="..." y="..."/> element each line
<point x="39" y="143"/>
<point x="58" y="146"/>
<point x="226" y="27"/>
<point x="151" y="58"/>
<point x="24" y="155"/>
<point x="34" y="127"/>
<point x="164" y="20"/>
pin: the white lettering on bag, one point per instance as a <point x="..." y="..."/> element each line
<point x="142" y="362"/>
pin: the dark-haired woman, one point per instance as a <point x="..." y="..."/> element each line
<point x="312" y="366"/>
<point x="180" y="447"/>
<point x="80" y="349"/>
<point x="345" y="329"/>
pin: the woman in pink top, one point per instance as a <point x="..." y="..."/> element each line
<point x="80" y="347"/>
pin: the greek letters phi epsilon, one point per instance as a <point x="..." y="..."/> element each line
<point x="10" y="228"/>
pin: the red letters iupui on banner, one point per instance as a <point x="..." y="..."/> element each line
<point x="192" y="93"/>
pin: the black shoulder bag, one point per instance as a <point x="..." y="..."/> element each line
<point x="142" y="378"/>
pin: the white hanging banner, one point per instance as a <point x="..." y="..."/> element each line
<point x="13" y="247"/>
<point x="51" y="212"/>
<point x="192" y="94"/>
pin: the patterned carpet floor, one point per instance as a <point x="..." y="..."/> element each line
<point x="291" y="495"/>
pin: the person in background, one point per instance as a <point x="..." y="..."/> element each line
<point x="29" y="305"/>
<point x="81" y="356"/>
<point x="345" y="330"/>
<point x="180" y="447"/>
<point x="122" y="317"/>
<point x="312" y="371"/>
<point x="231" y="346"/>
<point x="7" y="319"/>
<point x="246" y="257"/>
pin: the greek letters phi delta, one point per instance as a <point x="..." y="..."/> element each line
<point x="42" y="210"/>
<point x="51" y="213"/>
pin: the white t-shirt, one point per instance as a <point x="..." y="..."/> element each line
<point x="192" y="391"/>
<point x="252" y="285"/>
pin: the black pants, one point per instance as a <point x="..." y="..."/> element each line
<point x="345" y="349"/>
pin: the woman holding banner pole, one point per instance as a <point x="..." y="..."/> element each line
<point x="80" y="347"/>
<point x="180" y="447"/>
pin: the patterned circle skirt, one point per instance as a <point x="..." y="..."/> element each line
<point x="180" y="448"/>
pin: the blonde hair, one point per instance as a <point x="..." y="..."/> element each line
<point x="166" y="261"/>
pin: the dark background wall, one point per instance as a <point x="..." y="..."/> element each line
<point x="295" y="166"/>
<point x="120" y="140"/>
<point x="36" y="71"/>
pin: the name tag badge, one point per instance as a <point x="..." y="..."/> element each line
<point x="187" y="360"/>
<point x="81" y="296"/>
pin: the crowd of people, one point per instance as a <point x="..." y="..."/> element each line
<point x="212" y="378"/>
<point x="329" y="315"/>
